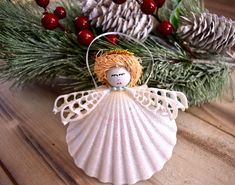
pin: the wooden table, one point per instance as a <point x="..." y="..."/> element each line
<point x="33" y="149"/>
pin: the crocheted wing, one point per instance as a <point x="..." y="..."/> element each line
<point x="160" y="100"/>
<point x="77" y="105"/>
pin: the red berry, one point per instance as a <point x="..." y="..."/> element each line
<point x="119" y="1"/>
<point x="42" y="3"/>
<point x="113" y="39"/>
<point x="85" y="37"/>
<point x="159" y="3"/>
<point x="81" y="23"/>
<point x="50" y="21"/>
<point x="165" y="28"/>
<point x="148" y="7"/>
<point x="60" y="12"/>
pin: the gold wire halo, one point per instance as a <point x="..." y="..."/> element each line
<point x="119" y="51"/>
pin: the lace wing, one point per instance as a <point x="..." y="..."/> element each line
<point x="178" y="97"/>
<point x="161" y="100"/>
<point x="75" y="106"/>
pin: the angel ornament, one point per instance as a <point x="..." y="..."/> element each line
<point x="120" y="133"/>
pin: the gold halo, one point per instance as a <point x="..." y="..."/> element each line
<point x="119" y="51"/>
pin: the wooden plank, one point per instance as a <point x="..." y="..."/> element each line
<point x="20" y="162"/>
<point x="5" y="177"/>
<point x="207" y="137"/>
<point x="191" y="165"/>
<point x="217" y="114"/>
<point x="221" y="7"/>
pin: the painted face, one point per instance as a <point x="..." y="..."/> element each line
<point x="118" y="77"/>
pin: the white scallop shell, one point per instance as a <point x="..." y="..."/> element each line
<point x="121" y="142"/>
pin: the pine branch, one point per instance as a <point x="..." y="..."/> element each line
<point x="33" y="54"/>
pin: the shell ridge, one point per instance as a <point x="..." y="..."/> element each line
<point x="131" y="172"/>
<point x="159" y="129"/>
<point x="164" y="144"/>
<point x="93" y="165"/>
<point x="145" y="134"/>
<point x="167" y="127"/>
<point x="118" y="172"/>
<point x="93" y="136"/>
<point x="87" y="136"/>
<point x="79" y="127"/>
<point x="106" y="167"/>
<point x="135" y="160"/>
<point x="73" y="127"/>
<point x="174" y="98"/>
<point x="73" y="134"/>
<point x="140" y="158"/>
<point x="99" y="140"/>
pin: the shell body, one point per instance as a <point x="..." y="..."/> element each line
<point x="121" y="142"/>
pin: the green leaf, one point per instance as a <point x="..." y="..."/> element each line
<point x="173" y="9"/>
<point x="174" y="17"/>
<point x="165" y="11"/>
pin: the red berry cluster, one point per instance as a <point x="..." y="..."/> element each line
<point x="50" y="21"/>
<point x="149" y="7"/>
<point x="85" y="36"/>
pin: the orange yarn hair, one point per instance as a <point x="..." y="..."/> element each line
<point x="118" y="58"/>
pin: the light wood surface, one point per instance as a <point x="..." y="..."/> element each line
<point x="33" y="149"/>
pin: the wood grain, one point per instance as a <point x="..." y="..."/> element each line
<point x="19" y="161"/>
<point x="221" y="7"/>
<point x="33" y="149"/>
<point x="5" y="176"/>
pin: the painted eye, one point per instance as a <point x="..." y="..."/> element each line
<point x="114" y="75"/>
<point x="121" y="74"/>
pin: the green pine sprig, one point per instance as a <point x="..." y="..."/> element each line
<point x="32" y="54"/>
